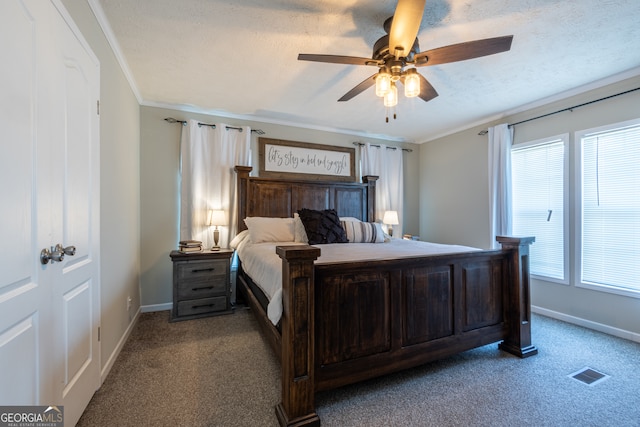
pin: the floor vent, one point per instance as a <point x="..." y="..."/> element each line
<point x="589" y="376"/>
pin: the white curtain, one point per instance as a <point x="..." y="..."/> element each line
<point x="387" y="164"/>
<point x="500" y="142"/>
<point x="207" y="158"/>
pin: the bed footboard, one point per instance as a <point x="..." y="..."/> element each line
<point x="343" y="324"/>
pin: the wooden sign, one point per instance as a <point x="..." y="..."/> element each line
<point x="303" y="160"/>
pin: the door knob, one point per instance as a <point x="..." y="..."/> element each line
<point x="56" y="254"/>
<point x="69" y="250"/>
<point x="52" y="255"/>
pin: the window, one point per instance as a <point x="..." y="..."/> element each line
<point x="608" y="175"/>
<point x="539" y="182"/>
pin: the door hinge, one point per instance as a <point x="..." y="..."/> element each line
<point x="98" y="333"/>
<point x="98" y="107"/>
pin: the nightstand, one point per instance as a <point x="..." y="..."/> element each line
<point x="201" y="284"/>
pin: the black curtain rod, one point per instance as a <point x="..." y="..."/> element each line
<point x="484" y="132"/>
<point x="576" y="106"/>
<point x="408" y="150"/>
<point x="184" y="122"/>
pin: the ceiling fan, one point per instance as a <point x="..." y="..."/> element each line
<point x="399" y="49"/>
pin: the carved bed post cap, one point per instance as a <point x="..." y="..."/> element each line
<point x="298" y="252"/>
<point x="369" y="178"/>
<point x="515" y="241"/>
<point x="242" y="169"/>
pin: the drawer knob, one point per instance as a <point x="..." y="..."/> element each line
<point x="202" y="269"/>
<point x="203" y="305"/>
<point x="201" y="288"/>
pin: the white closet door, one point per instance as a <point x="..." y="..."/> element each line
<point x="21" y="278"/>
<point x="49" y="330"/>
<point x="75" y="191"/>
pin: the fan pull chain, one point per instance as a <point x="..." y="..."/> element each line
<point x="387" y="114"/>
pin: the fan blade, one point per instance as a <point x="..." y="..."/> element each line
<point x="366" y="84"/>
<point x="405" y="26"/>
<point x="427" y="92"/>
<point x="463" y="51"/>
<point x="337" y="59"/>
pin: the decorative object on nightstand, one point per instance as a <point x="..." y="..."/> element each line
<point x="410" y="237"/>
<point x="216" y="218"/>
<point x="190" y="246"/>
<point x="201" y="284"/>
<point x="390" y="218"/>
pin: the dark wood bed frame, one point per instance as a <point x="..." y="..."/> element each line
<point x="347" y="322"/>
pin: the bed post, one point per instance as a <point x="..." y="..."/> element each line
<point x="297" y="407"/>
<point x="518" y="309"/>
<point x="241" y="193"/>
<point x="370" y="180"/>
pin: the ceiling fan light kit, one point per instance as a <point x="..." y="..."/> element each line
<point x="400" y="48"/>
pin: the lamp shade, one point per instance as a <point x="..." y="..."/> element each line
<point x="391" y="218"/>
<point x="216" y="217"/>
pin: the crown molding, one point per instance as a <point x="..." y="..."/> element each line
<point x="266" y="120"/>
<point x="616" y="78"/>
<point x="98" y="12"/>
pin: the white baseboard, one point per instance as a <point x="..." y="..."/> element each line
<point x="600" y="327"/>
<point x="156" y="307"/>
<point x="114" y="355"/>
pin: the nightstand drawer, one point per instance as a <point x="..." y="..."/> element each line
<point x="203" y="305"/>
<point x="202" y="288"/>
<point x="201" y="271"/>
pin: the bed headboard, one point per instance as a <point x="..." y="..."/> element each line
<point x="283" y="197"/>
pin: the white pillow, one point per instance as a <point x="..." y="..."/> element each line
<point x="264" y="229"/>
<point x="299" y="233"/>
<point x="363" y="232"/>
<point x="240" y="237"/>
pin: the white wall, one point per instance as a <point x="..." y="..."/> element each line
<point x="119" y="189"/>
<point x="454" y="190"/>
<point x="159" y="174"/>
<point x="454" y="199"/>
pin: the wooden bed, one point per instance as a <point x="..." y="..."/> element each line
<point x="344" y="323"/>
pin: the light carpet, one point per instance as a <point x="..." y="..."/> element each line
<point x="220" y="371"/>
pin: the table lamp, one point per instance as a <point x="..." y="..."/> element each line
<point x="390" y="218"/>
<point x="216" y="218"/>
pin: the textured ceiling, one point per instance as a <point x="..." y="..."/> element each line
<point x="238" y="58"/>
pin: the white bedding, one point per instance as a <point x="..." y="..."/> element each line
<point x="261" y="263"/>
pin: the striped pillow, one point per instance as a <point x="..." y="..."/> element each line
<point x="363" y="232"/>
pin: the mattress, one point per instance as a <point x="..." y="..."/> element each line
<point x="261" y="263"/>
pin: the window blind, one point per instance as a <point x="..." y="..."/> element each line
<point x="611" y="208"/>
<point x="538" y="186"/>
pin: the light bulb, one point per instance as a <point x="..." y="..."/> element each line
<point x="391" y="97"/>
